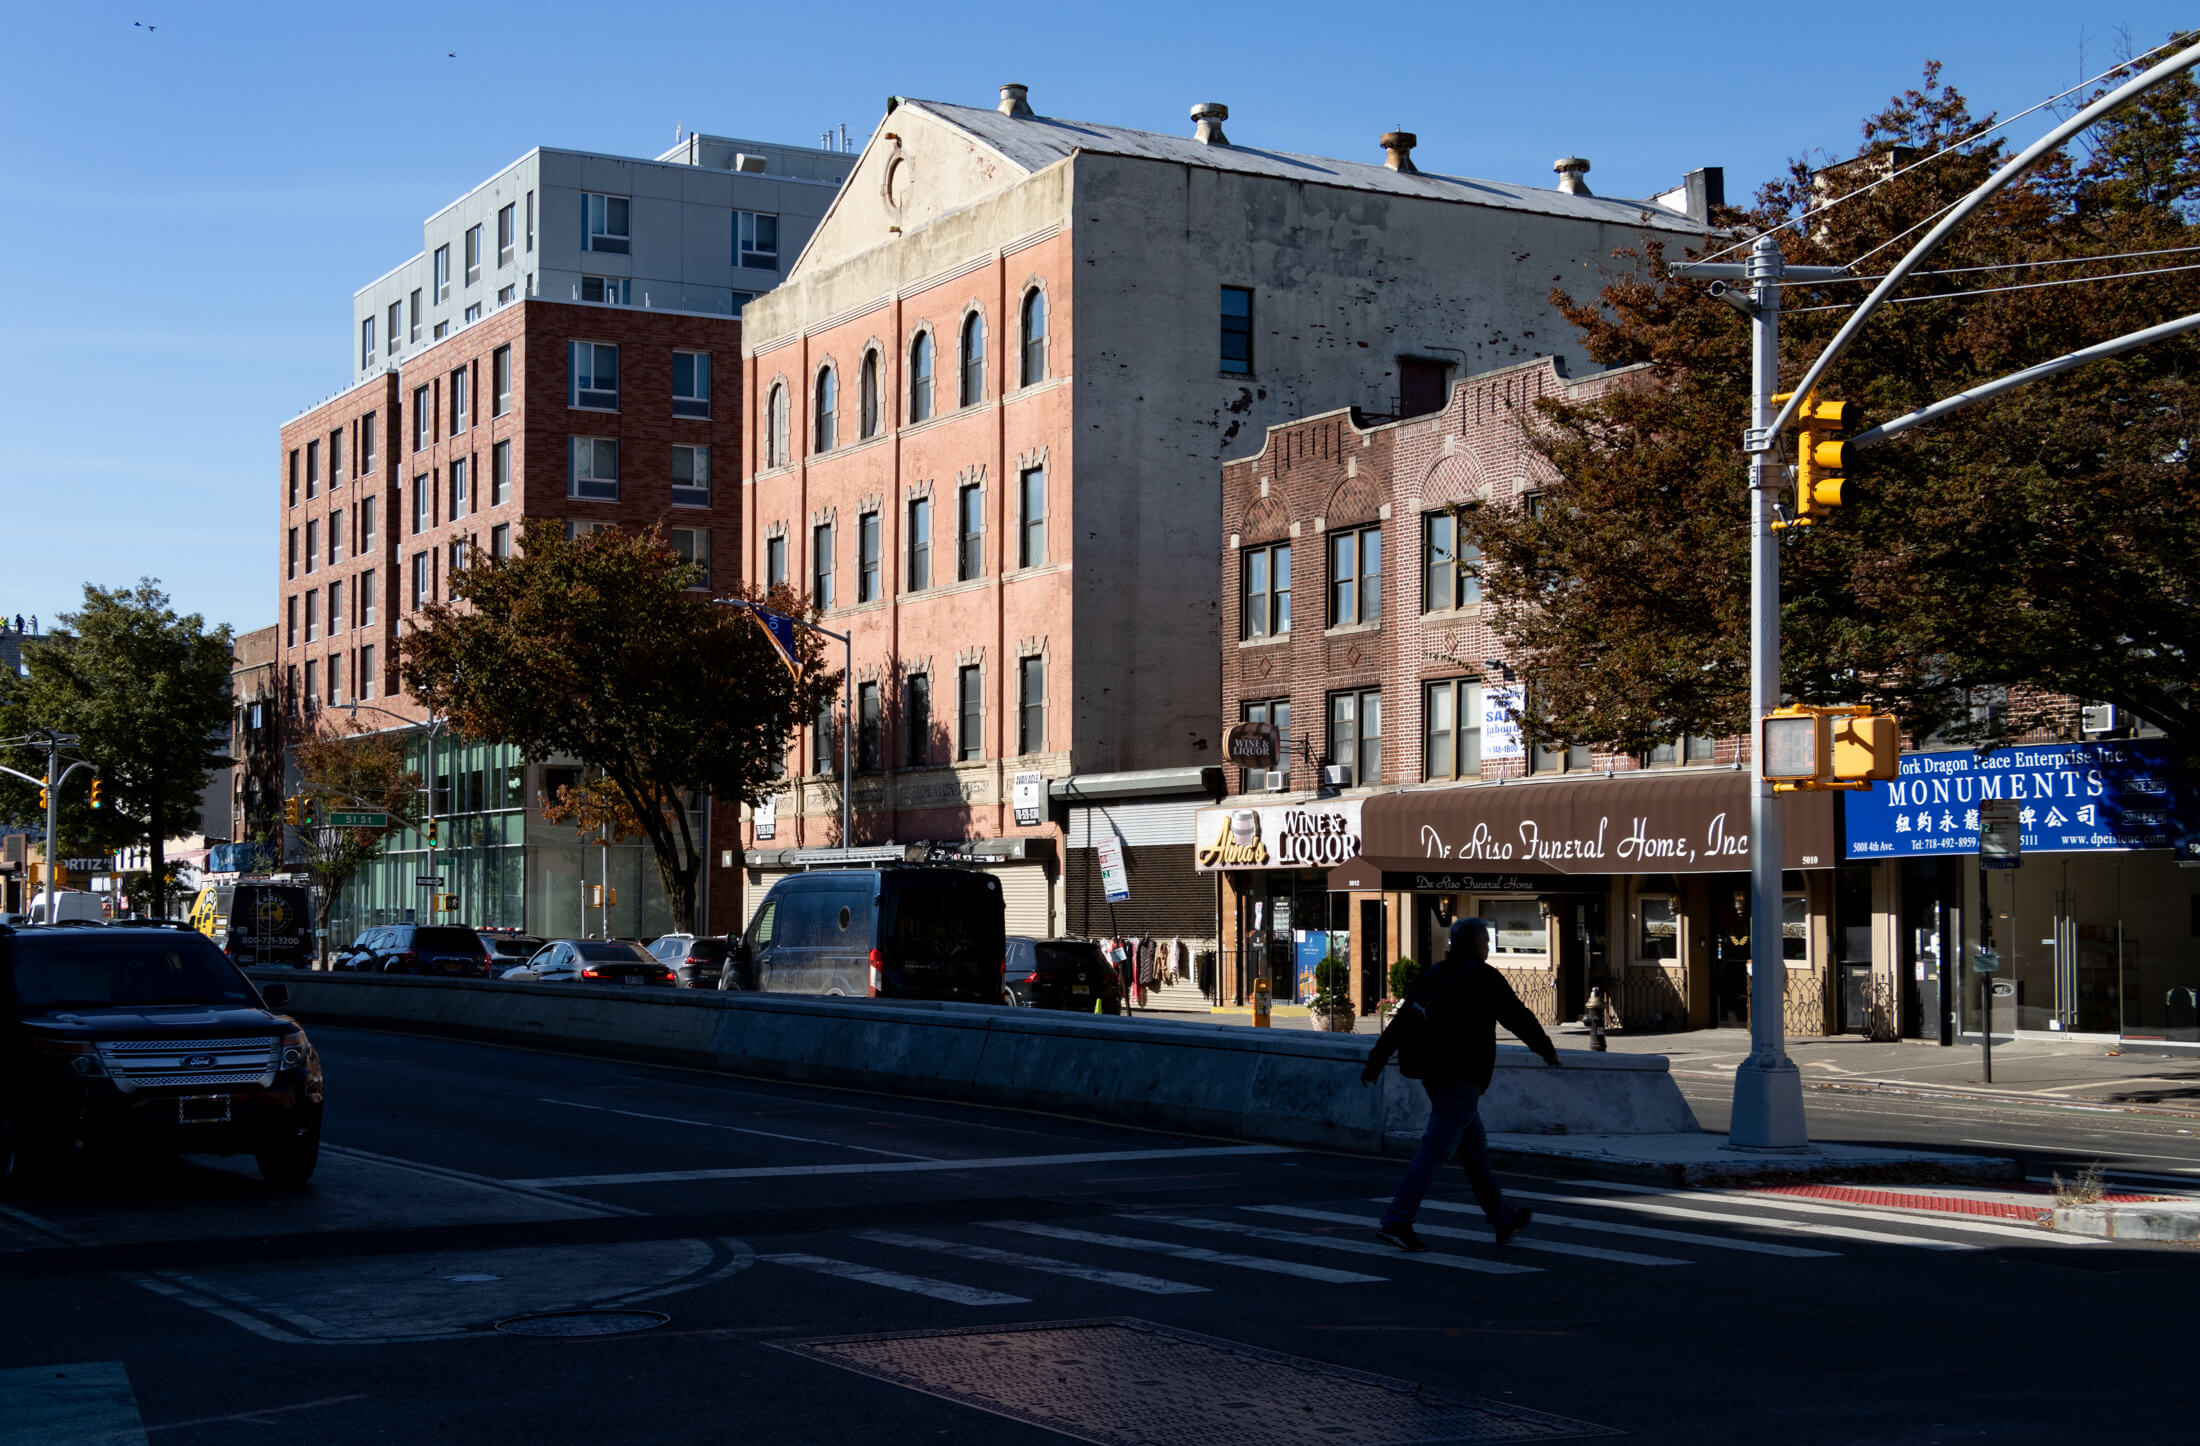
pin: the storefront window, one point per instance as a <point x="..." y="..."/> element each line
<point x="1795" y="929"/>
<point x="1516" y="927"/>
<point x="1660" y="937"/>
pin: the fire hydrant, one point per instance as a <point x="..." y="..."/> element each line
<point x="1594" y="1018"/>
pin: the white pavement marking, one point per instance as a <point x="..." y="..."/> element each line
<point x="737" y="1129"/>
<point x="891" y="1280"/>
<point x="1190" y="1252"/>
<point x="1645" y="1232"/>
<point x="89" y="1404"/>
<point x="996" y="1162"/>
<point x="2036" y="1148"/>
<point x="533" y="1190"/>
<point x="1149" y="1284"/>
<point x="2029" y="1234"/>
<point x="1762" y="1222"/>
<point x="1351" y="1247"/>
<point x="1518" y="1242"/>
<point x="43" y="1231"/>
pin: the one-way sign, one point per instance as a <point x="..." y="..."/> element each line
<point x="429" y="881"/>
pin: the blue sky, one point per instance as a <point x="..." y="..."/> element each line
<point x="196" y="203"/>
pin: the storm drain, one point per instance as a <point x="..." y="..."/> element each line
<point x="571" y="1323"/>
<point x="1133" y="1383"/>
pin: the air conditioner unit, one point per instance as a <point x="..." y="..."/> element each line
<point x="1276" y="780"/>
<point x="2097" y="718"/>
<point x="1336" y="775"/>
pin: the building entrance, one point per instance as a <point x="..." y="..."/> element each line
<point x="1583" y="954"/>
<point x="1730" y="949"/>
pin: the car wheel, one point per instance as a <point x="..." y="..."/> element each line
<point x="288" y="1163"/>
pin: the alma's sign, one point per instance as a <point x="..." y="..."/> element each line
<point x="1252" y="745"/>
<point x="1317" y="835"/>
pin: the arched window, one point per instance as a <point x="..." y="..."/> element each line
<point x="920" y="378"/>
<point x="869" y="400"/>
<point x="828" y="409"/>
<point x="1035" y="336"/>
<point x="973" y="360"/>
<point x="775" y="427"/>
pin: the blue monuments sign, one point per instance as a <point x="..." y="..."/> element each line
<point x="2074" y="797"/>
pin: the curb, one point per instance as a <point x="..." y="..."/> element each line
<point x="2176" y="1222"/>
<point x="1983" y="1096"/>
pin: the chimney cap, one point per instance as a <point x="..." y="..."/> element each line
<point x="1398" y="150"/>
<point x="1013" y="102"/>
<point x="1570" y="171"/>
<point x="1210" y="114"/>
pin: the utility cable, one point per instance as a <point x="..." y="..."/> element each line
<point x="1991" y="290"/>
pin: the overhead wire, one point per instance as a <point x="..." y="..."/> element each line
<point x="1992" y="290"/>
<point x="2006" y="265"/>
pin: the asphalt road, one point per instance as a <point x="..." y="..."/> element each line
<point x="1191" y="1290"/>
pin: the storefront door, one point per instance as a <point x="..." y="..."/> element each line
<point x="1374" y="977"/>
<point x="1730" y="950"/>
<point x="1583" y="953"/>
<point x="1930" y="895"/>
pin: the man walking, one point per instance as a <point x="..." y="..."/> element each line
<point x="1444" y="1034"/>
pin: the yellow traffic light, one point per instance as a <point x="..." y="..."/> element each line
<point x="1820" y="456"/>
<point x="43" y="803"/>
<point x="96" y="803"/>
<point x="290" y="812"/>
<point x="434" y="832"/>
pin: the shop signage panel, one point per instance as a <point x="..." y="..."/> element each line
<point x="1115" y="880"/>
<point x="1252" y="745"/>
<point x="1501" y="721"/>
<point x="765" y="815"/>
<point x="1030" y="797"/>
<point x="2071" y="797"/>
<point x="1320" y="834"/>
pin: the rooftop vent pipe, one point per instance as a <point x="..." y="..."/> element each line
<point x="1570" y="171"/>
<point x="1013" y="102"/>
<point x="1210" y="114"/>
<point x="1398" y="150"/>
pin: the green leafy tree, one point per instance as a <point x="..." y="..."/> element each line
<point x="145" y="690"/>
<point x="2044" y="543"/>
<point x="344" y="766"/>
<point x="603" y="649"/>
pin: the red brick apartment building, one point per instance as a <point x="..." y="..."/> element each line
<point x="1353" y="621"/>
<point x="591" y="414"/>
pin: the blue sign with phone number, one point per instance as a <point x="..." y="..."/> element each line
<point x="2076" y="797"/>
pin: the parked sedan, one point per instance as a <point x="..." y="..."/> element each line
<point x="697" y="961"/>
<point x="1062" y="974"/>
<point x="591" y="961"/>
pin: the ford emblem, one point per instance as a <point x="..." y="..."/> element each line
<point x="198" y="1061"/>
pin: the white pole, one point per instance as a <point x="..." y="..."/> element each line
<point x="53" y="817"/>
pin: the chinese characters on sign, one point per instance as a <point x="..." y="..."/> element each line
<point x="2069" y="797"/>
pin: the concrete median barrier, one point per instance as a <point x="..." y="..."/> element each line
<point x="1282" y="1087"/>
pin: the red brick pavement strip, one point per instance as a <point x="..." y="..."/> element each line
<point x="1943" y="1204"/>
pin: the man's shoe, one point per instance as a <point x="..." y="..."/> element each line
<point x="1403" y="1237"/>
<point x="1520" y="1217"/>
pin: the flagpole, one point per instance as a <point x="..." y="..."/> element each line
<point x="847" y="693"/>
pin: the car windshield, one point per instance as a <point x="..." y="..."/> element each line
<point x="96" y="970"/>
<point x="943" y="917"/>
<point x="599" y="951"/>
<point x="432" y="938"/>
<point x="515" y="948"/>
<point x="1053" y="958"/>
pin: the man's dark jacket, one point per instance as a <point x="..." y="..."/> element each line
<point x="1455" y="1039"/>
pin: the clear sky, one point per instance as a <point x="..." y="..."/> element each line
<point x="195" y="202"/>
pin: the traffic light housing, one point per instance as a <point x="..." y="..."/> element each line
<point x="1820" y="457"/>
<point x="309" y="812"/>
<point x="43" y="802"/>
<point x="434" y="832"/>
<point x="290" y="811"/>
<point x="97" y="803"/>
<point x="1812" y="750"/>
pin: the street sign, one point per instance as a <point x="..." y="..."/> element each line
<point x="1030" y="798"/>
<point x="361" y="819"/>
<point x="1115" y="880"/>
<point x="429" y="881"/>
<point x="2000" y="836"/>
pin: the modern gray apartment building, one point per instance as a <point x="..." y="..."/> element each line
<point x="702" y="228"/>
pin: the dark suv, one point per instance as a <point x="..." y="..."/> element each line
<point x="148" y="1038"/>
<point x="447" y="950"/>
<point x="1062" y="974"/>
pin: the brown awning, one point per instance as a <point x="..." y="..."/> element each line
<point x="1625" y="823"/>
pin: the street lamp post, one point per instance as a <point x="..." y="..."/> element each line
<point x="847" y="700"/>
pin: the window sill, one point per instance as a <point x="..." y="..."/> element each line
<point x="1466" y="613"/>
<point x="940" y="589"/>
<point x="1043" y="569"/>
<point x="1349" y="629"/>
<point x="604" y="411"/>
<point x="1035" y="388"/>
<point x="1269" y="641"/>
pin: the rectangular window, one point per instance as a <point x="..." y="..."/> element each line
<point x="457" y="560"/>
<point x="366" y="344"/>
<point x="294" y="476"/>
<point x="336" y="459"/>
<point x="1356" y="734"/>
<point x="412" y="315"/>
<point x="500" y="381"/>
<point x="335" y="672"/>
<point x="293" y="568"/>
<point x="1689" y="749"/>
<point x="313" y="470"/>
<point x="595" y="376"/>
<point x="461" y="504"/>
<point x="473" y="313"/>
<point x="869" y="720"/>
<point x="1278" y="712"/>
<point x="366" y="524"/>
<point x="313" y="615"/>
<point x="500" y="541"/>
<point x="423" y="418"/>
<point x="1659" y="935"/>
<point x="313" y="681"/>
<point x="1355" y="576"/>
<point x="290" y="621"/>
<point x="1267" y="611"/>
<point x="920" y="544"/>
<point x="395" y="326"/>
<point x="441" y="330"/>
<point x="506" y="295"/>
<point x="335" y="608"/>
<point x="1453" y="565"/>
<point x="1451" y="727"/>
<point x="366" y="445"/>
<point x="505" y="238"/>
<point x="775" y="562"/>
<point x="821" y="564"/>
<point x="500" y="473"/>
<point x="443" y="273"/>
<point x="313" y="546"/>
<point x="604" y="223"/>
<point x="422" y="496"/>
<point x="867" y="557"/>
<point x="462" y="392"/>
<point x="420" y="581"/>
<point x="473" y="255"/>
<point x="823" y="747"/>
<point x="592" y="468"/>
<point x="1237" y="330"/>
<point x="916" y="720"/>
<point x="1031" y="705"/>
<point x="970" y="712"/>
<point x="969" y="533"/>
<point x="692" y="544"/>
<point x="1031" y="539"/>
<point x="366" y="603"/>
<point x="691" y="384"/>
<point x="618" y="291"/>
<point x="335" y="538"/>
<point x="756" y="240"/>
<point x="366" y="673"/>
<point x="1516" y="926"/>
<point x="691" y="476"/>
<point x="530" y="220"/>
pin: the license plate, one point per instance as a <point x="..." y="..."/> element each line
<point x="1080" y="989"/>
<point x="203" y="1110"/>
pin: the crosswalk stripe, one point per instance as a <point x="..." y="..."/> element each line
<point x="893" y="1280"/>
<point x="1450" y="1232"/>
<point x="2030" y="1234"/>
<point x="1190" y="1252"/>
<point x="1355" y="1247"/>
<point x="1647" y="1232"/>
<point x="1128" y="1280"/>
<point x="1758" y="1222"/>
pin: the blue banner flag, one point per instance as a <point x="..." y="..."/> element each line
<point x="780" y="629"/>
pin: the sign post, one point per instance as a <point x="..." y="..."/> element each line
<point x="2000" y="846"/>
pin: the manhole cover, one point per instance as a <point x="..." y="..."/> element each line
<point x="1192" y="1390"/>
<point x="582" y="1323"/>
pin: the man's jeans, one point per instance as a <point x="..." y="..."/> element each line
<point x="1454" y="1128"/>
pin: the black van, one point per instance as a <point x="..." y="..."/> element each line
<point x="894" y="933"/>
<point x="271" y="924"/>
